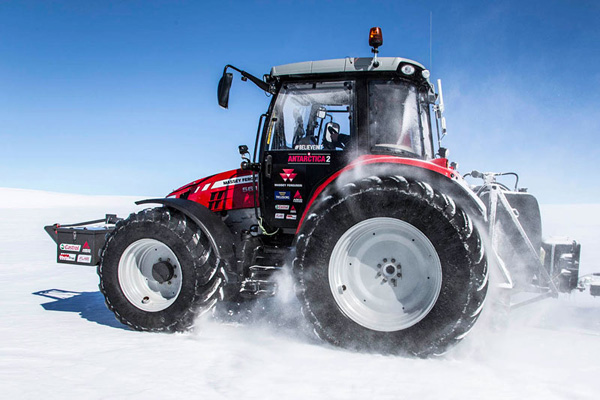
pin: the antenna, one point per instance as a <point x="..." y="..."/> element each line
<point x="430" y="40"/>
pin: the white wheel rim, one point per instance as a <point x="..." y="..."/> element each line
<point x="364" y="273"/>
<point x="137" y="281"/>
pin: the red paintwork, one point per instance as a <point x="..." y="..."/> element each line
<point x="230" y="190"/>
<point x="433" y="165"/>
<point x="442" y="162"/>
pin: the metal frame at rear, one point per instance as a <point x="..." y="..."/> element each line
<point x="498" y="199"/>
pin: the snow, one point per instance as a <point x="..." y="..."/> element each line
<point x="58" y="340"/>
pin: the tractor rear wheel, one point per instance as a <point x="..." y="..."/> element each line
<point x="159" y="272"/>
<point x="389" y="265"/>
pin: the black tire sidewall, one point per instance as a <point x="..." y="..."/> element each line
<point x="433" y="329"/>
<point x="165" y="319"/>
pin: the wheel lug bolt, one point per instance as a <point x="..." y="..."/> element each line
<point x="393" y="260"/>
<point x="399" y="275"/>
<point x="385" y="260"/>
<point x="378" y="265"/>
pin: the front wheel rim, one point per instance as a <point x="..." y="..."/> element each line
<point x="385" y="274"/>
<point x="140" y="285"/>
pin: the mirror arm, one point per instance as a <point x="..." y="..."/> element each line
<point x="261" y="84"/>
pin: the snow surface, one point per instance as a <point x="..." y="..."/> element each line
<point x="58" y="340"/>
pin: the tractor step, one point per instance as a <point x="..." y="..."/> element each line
<point x="261" y="282"/>
<point x="258" y="288"/>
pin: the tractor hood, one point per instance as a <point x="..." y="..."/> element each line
<point x="230" y="190"/>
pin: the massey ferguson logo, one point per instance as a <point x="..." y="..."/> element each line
<point x="288" y="175"/>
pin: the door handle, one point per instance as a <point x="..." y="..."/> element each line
<point x="269" y="166"/>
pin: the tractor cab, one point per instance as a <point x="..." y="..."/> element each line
<point x="326" y="114"/>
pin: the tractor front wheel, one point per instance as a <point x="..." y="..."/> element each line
<point x="158" y="271"/>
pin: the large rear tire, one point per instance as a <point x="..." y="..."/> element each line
<point x="159" y="272"/>
<point x="389" y="265"/>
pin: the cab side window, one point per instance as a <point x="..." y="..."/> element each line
<point x="312" y="116"/>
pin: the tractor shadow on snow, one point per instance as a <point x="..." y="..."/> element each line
<point x="89" y="305"/>
<point x="280" y="318"/>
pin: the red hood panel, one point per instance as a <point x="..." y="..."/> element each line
<point x="230" y="190"/>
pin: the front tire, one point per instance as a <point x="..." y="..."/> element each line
<point x="387" y="264"/>
<point x="159" y="272"/>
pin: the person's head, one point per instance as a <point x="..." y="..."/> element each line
<point x="297" y="115"/>
<point x="333" y="131"/>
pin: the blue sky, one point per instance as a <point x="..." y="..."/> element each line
<point x="119" y="97"/>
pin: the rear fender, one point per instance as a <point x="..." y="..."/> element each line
<point x="443" y="180"/>
<point x="220" y="237"/>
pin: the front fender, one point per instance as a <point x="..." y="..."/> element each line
<point x="220" y="237"/>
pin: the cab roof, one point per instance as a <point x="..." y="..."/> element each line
<point x="341" y="65"/>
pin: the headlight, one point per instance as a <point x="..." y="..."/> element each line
<point x="408" y="69"/>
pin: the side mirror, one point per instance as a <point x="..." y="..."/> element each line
<point x="321" y="113"/>
<point x="223" y="89"/>
<point x="243" y="149"/>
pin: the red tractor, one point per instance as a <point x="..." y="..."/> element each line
<point x="390" y="248"/>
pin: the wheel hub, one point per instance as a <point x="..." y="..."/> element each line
<point x="150" y="275"/>
<point x="163" y="271"/>
<point x="385" y="293"/>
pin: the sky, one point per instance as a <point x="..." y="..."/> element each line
<point x="119" y="97"/>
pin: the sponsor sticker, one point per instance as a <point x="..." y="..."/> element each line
<point x="291" y="185"/>
<point x="279" y="215"/>
<point x="290" y="216"/>
<point x="66" y="257"/>
<point x="240" y="180"/>
<point x="70" y="247"/>
<point x="308" y="158"/>
<point x="308" y="147"/>
<point x="282" y="207"/>
<point x="293" y="209"/>
<point x="86" y="248"/>
<point x="288" y="175"/>
<point x="282" y="195"/>
<point x="297" y="197"/>
<point x="84" y="258"/>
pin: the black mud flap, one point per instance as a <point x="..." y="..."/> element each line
<point x="81" y="243"/>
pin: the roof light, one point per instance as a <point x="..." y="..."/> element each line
<point x="375" y="37"/>
<point x="425" y="73"/>
<point x="408" y="69"/>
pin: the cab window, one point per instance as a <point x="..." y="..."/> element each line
<point x="312" y="116"/>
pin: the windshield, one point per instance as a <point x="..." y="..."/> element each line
<point x="312" y="116"/>
<point x="398" y="120"/>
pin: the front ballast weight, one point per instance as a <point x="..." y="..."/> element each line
<point x="81" y="243"/>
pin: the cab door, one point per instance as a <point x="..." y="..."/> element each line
<point x="308" y="137"/>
